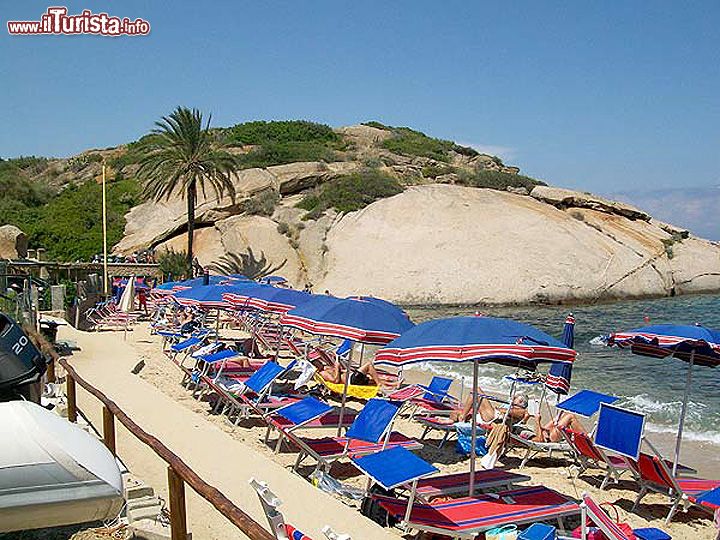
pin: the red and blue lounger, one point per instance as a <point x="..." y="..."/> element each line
<point x="467" y="516"/>
<point x="369" y="433"/>
<point x="436" y="399"/>
<point x="398" y="467"/>
<point x="590" y="510"/>
<point x="655" y="475"/>
<point x="590" y="456"/>
<point x="309" y="413"/>
<point x="451" y="484"/>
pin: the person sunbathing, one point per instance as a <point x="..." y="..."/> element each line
<point x="487" y="412"/>
<point x="363" y="376"/>
<point x="551" y="431"/>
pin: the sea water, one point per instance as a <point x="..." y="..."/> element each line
<point x="649" y="385"/>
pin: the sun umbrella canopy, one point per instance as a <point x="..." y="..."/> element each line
<point x="207" y="296"/>
<point x="693" y="344"/>
<point x="469" y="339"/>
<point x="357" y="320"/>
<point x="267" y="298"/>
<point x="664" y="340"/>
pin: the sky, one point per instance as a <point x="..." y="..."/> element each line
<point x="604" y="97"/>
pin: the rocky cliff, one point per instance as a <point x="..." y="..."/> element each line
<point x="437" y="242"/>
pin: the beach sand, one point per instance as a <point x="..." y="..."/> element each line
<point x="194" y="434"/>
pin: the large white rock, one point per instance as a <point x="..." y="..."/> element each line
<point x="452" y="244"/>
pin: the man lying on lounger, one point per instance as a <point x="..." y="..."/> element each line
<point x="487" y="412"/>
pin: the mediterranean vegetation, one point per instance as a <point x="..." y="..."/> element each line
<point x="486" y="178"/>
<point x="69" y="223"/>
<point x="411" y="142"/>
<point x="349" y="193"/>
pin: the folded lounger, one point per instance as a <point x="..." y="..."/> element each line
<point x="281" y="530"/>
<point x="654" y="475"/>
<point x="466" y="517"/>
<point x="309" y="413"/>
<point x="369" y="433"/>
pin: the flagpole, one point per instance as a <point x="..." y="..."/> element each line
<point x="104" y="223"/>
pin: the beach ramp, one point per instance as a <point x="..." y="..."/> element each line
<point x="52" y="473"/>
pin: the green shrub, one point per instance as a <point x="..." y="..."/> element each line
<point x="262" y="203"/>
<point x="485" y="178"/>
<point x="282" y="153"/>
<point x="173" y="264"/>
<point x="415" y="143"/>
<point x="349" y="193"/>
<point x="275" y="132"/>
<point x="433" y="171"/>
<point x="70" y="225"/>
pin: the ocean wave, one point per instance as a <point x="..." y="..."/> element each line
<point x="688" y="435"/>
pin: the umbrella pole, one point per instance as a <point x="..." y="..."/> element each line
<point x="217" y="326"/>
<point x="345" y="390"/>
<point x="688" y="384"/>
<point x="473" y="421"/>
<point x="279" y="344"/>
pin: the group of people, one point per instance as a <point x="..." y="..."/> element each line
<point x="517" y="413"/>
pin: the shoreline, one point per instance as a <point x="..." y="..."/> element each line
<point x="557" y="303"/>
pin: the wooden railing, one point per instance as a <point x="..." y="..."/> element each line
<point x="179" y="473"/>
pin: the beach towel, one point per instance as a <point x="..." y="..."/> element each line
<point x="495" y="444"/>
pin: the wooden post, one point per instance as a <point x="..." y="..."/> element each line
<point x="50" y="372"/>
<point x="109" y="430"/>
<point x="178" y="520"/>
<point x="72" y="403"/>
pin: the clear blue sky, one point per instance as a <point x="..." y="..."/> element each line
<point x="601" y="96"/>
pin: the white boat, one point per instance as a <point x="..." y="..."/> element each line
<point x="52" y="473"/>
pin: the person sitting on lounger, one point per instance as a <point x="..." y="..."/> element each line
<point x="551" y="431"/>
<point x="488" y="413"/>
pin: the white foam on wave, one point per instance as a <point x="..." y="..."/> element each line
<point x="712" y="437"/>
<point x="669" y="413"/>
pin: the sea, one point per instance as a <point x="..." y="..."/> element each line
<point x="652" y="386"/>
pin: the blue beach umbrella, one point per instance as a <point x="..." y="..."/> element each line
<point x="358" y="320"/>
<point x="694" y="344"/>
<point x="207" y="296"/>
<point x="348" y="318"/>
<point x="477" y="340"/>
<point x="267" y="298"/>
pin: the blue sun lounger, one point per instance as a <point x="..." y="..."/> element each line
<point x="297" y="414"/>
<point x="369" y="433"/>
<point x="254" y="394"/>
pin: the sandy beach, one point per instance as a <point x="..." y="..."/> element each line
<point x="228" y="456"/>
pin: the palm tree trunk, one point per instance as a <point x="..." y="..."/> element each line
<point x="191" y="195"/>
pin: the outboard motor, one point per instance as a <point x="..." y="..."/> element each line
<point x="21" y="364"/>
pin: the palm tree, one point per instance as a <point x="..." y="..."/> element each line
<point x="182" y="156"/>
